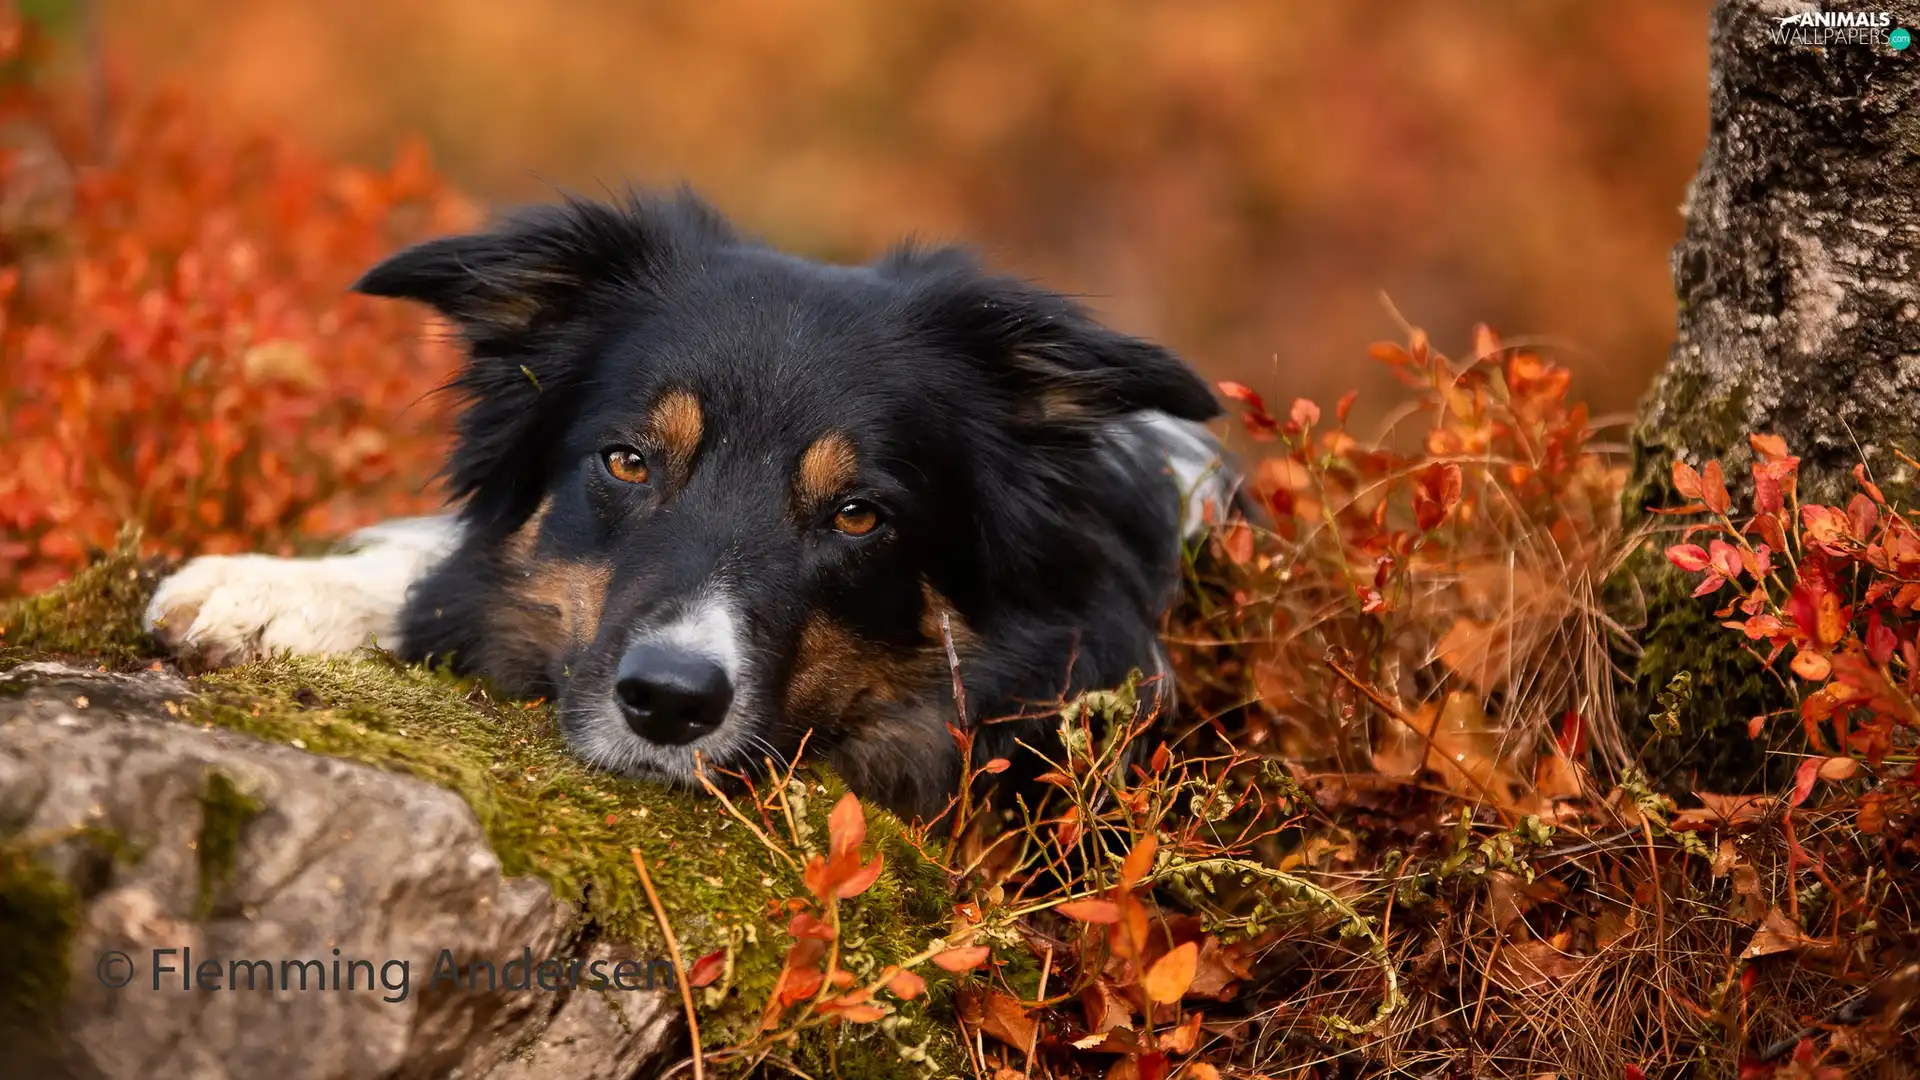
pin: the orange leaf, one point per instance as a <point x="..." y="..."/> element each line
<point x="1435" y="494"/>
<point x="861" y="880"/>
<point x="997" y="765"/>
<point x="1139" y="861"/>
<point x="1838" y="768"/>
<point x="846" y="826"/>
<point x="1769" y="447"/>
<point x="1102" y="912"/>
<point x="1811" y="666"/>
<point x="1237" y="541"/>
<point x="1713" y="489"/>
<point x="857" y="1012"/>
<point x="906" y="984"/>
<point x="964" y="958"/>
<point x="1004" y="1018"/>
<point x="1167" y="980"/>
<point x="1685" y="480"/>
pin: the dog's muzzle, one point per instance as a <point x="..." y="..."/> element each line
<point x="671" y="695"/>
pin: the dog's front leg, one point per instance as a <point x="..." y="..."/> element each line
<point x="225" y="609"/>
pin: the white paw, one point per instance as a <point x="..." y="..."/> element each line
<point x="228" y="609"/>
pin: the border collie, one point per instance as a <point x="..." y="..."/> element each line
<point x="712" y="497"/>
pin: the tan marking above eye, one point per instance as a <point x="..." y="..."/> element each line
<point x="827" y="469"/>
<point x="626" y="464"/>
<point x="856" y="519"/>
<point x="679" y="423"/>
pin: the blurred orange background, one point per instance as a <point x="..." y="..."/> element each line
<point x="1241" y="179"/>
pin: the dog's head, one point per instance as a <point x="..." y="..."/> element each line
<point x="734" y="496"/>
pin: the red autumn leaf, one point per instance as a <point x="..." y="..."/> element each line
<point x="1709" y="585"/>
<point x="1725" y="558"/>
<point x="996" y="765"/>
<point x="1862" y="515"/>
<point x="806" y="925"/>
<point x="1828" y="529"/>
<point x="1435" y="494"/>
<point x="1260" y="424"/>
<point x="1803" y="778"/>
<point x="707" y="968"/>
<point x="1881" y="640"/>
<point x="1572" y="737"/>
<point x="1244" y="394"/>
<point x="1345" y="405"/>
<point x="1689" y="557"/>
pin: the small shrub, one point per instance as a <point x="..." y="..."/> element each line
<point x="180" y="349"/>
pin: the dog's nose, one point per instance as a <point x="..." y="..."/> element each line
<point x="671" y="695"/>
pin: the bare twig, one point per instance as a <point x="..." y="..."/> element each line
<point x="680" y="971"/>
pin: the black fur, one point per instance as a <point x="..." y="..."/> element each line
<point x="983" y="412"/>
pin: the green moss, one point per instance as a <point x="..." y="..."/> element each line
<point x="543" y="812"/>
<point x="1712" y="751"/>
<point x="224" y="811"/>
<point x="39" y="915"/>
<point x="96" y="614"/>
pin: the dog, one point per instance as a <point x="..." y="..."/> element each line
<point x="712" y="498"/>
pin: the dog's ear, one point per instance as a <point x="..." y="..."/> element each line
<point x="522" y="295"/>
<point x="1048" y="351"/>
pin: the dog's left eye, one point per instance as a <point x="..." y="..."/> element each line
<point x="625" y="464"/>
<point x="856" y="518"/>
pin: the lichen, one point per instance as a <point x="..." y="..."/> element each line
<point x="543" y="812"/>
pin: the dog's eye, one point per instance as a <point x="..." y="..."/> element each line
<point x="856" y="518"/>
<point x="625" y="464"/>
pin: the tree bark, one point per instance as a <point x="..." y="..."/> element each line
<point x="1798" y="281"/>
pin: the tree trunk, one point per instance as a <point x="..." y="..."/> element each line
<point x="1798" y="281"/>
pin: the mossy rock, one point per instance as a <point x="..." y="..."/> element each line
<point x="544" y="814"/>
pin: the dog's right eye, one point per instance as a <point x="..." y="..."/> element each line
<point x="625" y="464"/>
